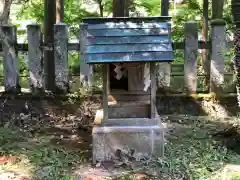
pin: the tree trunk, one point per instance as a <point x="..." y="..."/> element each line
<point x="49" y="21"/>
<point x="164" y="7"/>
<point x="59" y="11"/>
<point x="120" y="8"/>
<point x="236" y="40"/>
<point x="217" y="9"/>
<point x="5" y="6"/>
<point x="100" y="5"/>
<point x="205" y="55"/>
<point x="126" y="8"/>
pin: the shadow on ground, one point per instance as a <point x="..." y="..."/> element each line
<point x="52" y="139"/>
<point x="52" y="135"/>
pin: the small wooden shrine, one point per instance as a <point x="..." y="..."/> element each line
<point x="128" y="49"/>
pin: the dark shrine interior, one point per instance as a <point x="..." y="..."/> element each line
<point x="121" y="84"/>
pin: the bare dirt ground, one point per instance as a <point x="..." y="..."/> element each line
<point x="51" y="139"/>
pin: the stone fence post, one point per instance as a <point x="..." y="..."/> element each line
<point x="190" y="56"/>
<point x="10" y="59"/>
<point x="35" y="57"/>
<point x="217" y="56"/>
<point x="61" y="57"/>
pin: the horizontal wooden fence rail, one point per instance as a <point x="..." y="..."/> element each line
<point x="35" y="47"/>
<point x="23" y="47"/>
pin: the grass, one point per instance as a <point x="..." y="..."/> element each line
<point x="199" y="158"/>
<point x="56" y="153"/>
<point x="38" y="156"/>
<point x="190" y="152"/>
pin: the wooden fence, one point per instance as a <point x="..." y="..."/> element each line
<point x="35" y="48"/>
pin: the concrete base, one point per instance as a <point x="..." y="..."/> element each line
<point x="142" y="135"/>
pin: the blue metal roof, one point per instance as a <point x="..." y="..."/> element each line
<point x="106" y="40"/>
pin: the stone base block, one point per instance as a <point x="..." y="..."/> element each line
<point x="143" y="136"/>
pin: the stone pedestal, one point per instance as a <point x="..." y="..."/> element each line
<point x="143" y="136"/>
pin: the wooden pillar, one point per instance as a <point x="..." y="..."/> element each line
<point x="35" y="58"/>
<point x="10" y="60"/>
<point x="105" y="90"/>
<point x="153" y="90"/>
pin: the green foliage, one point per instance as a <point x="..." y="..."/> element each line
<point x="76" y="10"/>
<point x="152" y="7"/>
<point x="73" y="14"/>
<point x="32" y="10"/>
<point x="49" y="160"/>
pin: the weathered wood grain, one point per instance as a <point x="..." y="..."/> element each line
<point x="130" y="57"/>
<point x="190" y="56"/>
<point x="105" y="90"/>
<point x="126" y="32"/>
<point x="128" y="25"/>
<point x="10" y="60"/>
<point x="99" y="20"/>
<point x="128" y="40"/>
<point x="135" y="76"/>
<point x="126" y="48"/>
<point x="153" y="90"/>
<point x="35" y="58"/>
<point x="61" y="57"/>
